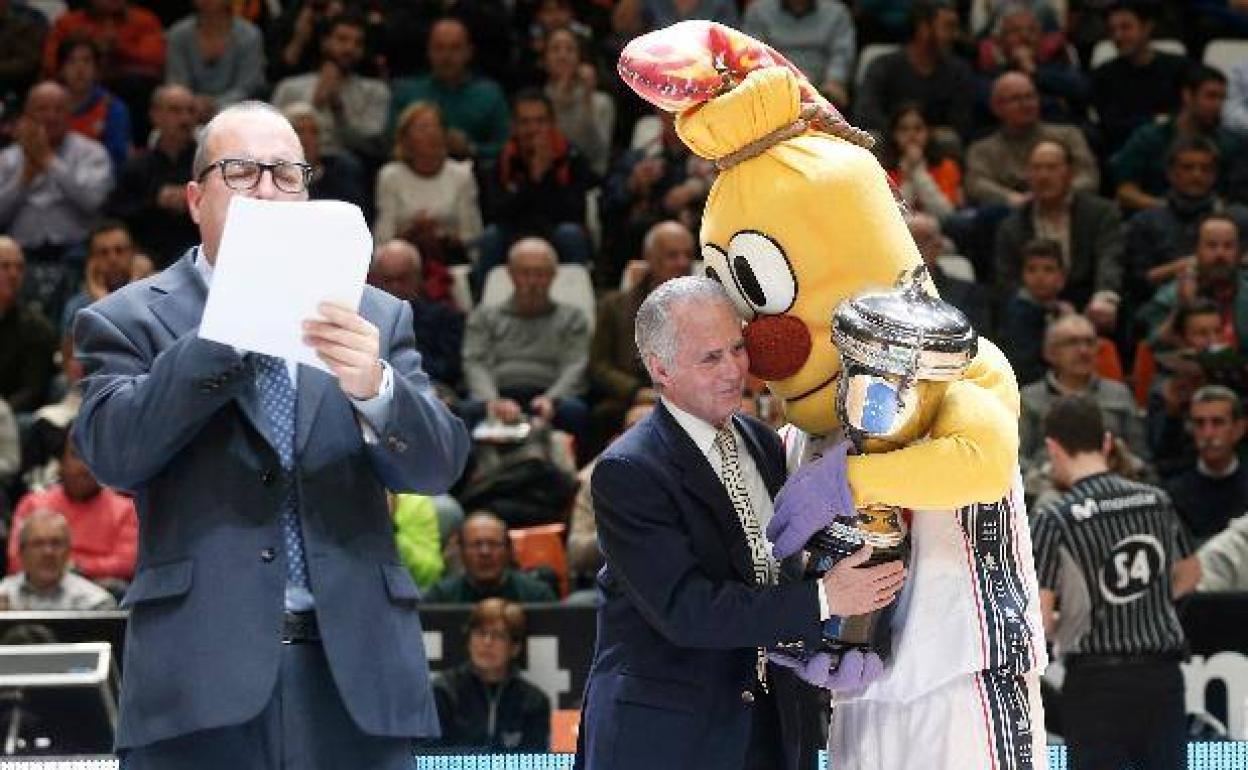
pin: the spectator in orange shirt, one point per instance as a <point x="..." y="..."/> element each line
<point x="103" y="523"/>
<point x="132" y="46"/>
<point x="927" y="181"/>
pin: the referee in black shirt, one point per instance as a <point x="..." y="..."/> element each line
<point x="1111" y="557"/>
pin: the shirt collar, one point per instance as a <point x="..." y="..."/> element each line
<point x="1210" y="473"/>
<point x="204" y="267"/>
<point x="26" y="587"/>
<point x="700" y="431"/>
<point x="1051" y="379"/>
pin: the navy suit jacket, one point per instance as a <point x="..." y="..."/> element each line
<point x="175" y="419"/>
<point x="681" y="619"/>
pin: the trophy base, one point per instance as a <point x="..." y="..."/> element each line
<point x="882" y="528"/>
<point x="870" y="632"/>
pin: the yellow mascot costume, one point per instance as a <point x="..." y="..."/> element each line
<point x="800" y="218"/>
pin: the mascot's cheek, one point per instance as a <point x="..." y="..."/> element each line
<point x="778" y="346"/>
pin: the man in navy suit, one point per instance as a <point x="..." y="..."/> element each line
<point x="272" y="623"/>
<point x="689" y="588"/>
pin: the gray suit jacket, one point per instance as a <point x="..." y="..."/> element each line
<point x="175" y="419"/>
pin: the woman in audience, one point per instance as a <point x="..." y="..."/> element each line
<point x="335" y="176"/>
<point x="485" y="705"/>
<point x="422" y="190"/>
<point x="926" y="181"/>
<point x="584" y="114"/>
<point x="217" y="55"/>
<point x="97" y="113"/>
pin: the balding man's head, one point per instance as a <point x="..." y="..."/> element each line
<point x="669" y="248"/>
<point x="172" y="112"/>
<point x="245" y="131"/>
<point x="450" y="50"/>
<point x="532" y="264"/>
<point x="1070" y="345"/>
<point x="397" y="268"/>
<point x="47" y="104"/>
<point x="1015" y="101"/>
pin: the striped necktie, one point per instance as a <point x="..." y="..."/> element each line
<point x="734" y="482"/>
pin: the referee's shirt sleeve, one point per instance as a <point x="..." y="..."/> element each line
<point x="1046" y="540"/>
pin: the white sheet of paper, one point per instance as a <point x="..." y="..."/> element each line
<point x="277" y="261"/>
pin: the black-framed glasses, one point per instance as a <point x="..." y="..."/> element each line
<point x="244" y="174"/>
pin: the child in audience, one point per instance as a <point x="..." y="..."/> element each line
<point x="1027" y="313"/>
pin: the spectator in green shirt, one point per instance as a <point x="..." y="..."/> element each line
<point x="473" y="107"/>
<point x="1139" y="168"/>
<point x="416" y="535"/>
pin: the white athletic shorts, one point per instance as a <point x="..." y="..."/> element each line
<point x="983" y="721"/>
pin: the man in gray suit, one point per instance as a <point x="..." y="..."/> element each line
<point x="272" y="623"/>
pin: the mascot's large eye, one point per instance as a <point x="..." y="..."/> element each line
<point x="717" y="268"/>
<point x="762" y="272"/>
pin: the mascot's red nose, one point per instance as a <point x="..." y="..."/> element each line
<point x="778" y="346"/>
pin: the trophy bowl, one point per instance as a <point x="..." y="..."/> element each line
<point x="900" y="349"/>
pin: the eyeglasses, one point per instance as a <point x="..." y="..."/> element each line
<point x="490" y="635"/>
<point x="244" y="174"/>
<point x="54" y="543"/>
<point x="1071" y="342"/>
<point x="1023" y="98"/>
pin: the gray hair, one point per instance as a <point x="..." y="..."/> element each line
<point x="1209" y="394"/>
<point x="532" y="240"/>
<point x="201" y="161"/>
<point x="656" y="231"/>
<point x="656" y="333"/>
<point x="1061" y="324"/>
<point x="41" y="516"/>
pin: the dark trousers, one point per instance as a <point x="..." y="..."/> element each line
<point x="789" y="723"/>
<point x="765" y="750"/>
<point x="1123" y="714"/>
<point x="304" y="727"/>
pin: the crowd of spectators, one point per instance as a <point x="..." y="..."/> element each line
<point x="1090" y="219"/>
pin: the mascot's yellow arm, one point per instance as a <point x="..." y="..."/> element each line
<point x="971" y="453"/>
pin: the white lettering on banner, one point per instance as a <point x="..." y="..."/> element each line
<point x="1232" y="669"/>
<point x="433" y="645"/>
<point x="544" y="670"/>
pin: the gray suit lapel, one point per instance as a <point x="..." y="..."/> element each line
<point x="180" y="294"/>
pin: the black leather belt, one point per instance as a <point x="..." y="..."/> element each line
<point x="300" y="628"/>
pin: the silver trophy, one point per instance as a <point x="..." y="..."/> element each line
<point x="899" y="351"/>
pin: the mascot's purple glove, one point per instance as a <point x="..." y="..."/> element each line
<point x="812" y="497"/>
<point x="856" y="670"/>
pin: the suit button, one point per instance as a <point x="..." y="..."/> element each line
<point x="268" y="477"/>
<point x="268" y="555"/>
<point x="397" y="444"/>
<point x="747" y="697"/>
